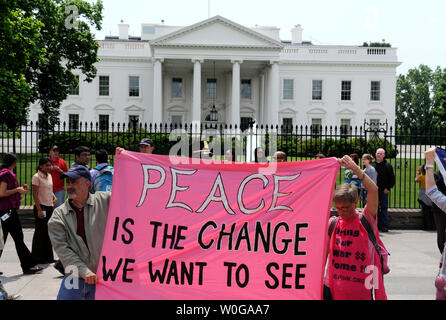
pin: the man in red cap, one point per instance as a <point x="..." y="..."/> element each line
<point x="58" y="167"/>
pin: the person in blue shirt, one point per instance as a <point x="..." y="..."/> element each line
<point x="102" y="164"/>
<point x="349" y="176"/>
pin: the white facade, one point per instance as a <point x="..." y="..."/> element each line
<point x="166" y="76"/>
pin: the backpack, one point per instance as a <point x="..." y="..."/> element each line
<point x="377" y="243"/>
<point x="104" y="178"/>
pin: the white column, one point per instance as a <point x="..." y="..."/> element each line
<point x="235" y="110"/>
<point x="261" y="99"/>
<point x="196" y="93"/>
<point x="228" y="96"/>
<point x="157" y="91"/>
<point x="274" y="94"/>
<point x="266" y="92"/>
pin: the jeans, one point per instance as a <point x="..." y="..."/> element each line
<point x="73" y="288"/>
<point x="60" y="195"/>
<point x="383" y="214"/>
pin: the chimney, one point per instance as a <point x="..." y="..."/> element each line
<point x="296" y="34"/>
<point x="123" y="31"/>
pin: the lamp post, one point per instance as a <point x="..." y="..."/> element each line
<point x="213" y="115"/>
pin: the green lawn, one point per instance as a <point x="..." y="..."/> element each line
<point x="27" y="167"/>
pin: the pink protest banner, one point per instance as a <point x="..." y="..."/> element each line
<point x="216" y="231"/>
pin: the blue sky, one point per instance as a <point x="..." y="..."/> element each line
<point x="416" y="28"/>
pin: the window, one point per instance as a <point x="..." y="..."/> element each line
<point x="346" y="91"/>
<point x="104" y="86"/>
<point x="177" y="87"/>
<point x="345" y="127"/>
<point x="375" y="91"/>
<point x="287" y="125"/>
<point x="245" y="123"/>
<point x="43" y="126"/>
<point x="288" y="89"/>
<point x="317" y="90"/>
<point x="316" y="126"/>
<point x="41" y="120"/>
<point x="73" y="122"/>
<point x="133" y="122"/>
<point x="74" y="90"/>
<point x="211" y="89"/>
<point x="133" y="86"/>
<point x="245" y="92"/>
<point x="104" y="122"/>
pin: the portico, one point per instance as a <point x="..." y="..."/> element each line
<point x="229" y="67"/>
<point x="220" y="72"/>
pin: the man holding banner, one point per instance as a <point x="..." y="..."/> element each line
<point x="76" y="230"/>
<point x="439" y="155"/>
<point x="436" y="189"/>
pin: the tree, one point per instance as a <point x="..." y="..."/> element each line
<point x="61" y="42"/>
<point x="18" y="46"/>
<point x="414" y="99"/>
<point x="439" y="89"/>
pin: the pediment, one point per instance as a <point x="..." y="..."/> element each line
<point x="176" y="109"/>
<point x="247" y="110"/>
<point x="73" y="107"/>
<point x="375" y="112"/>
<point x="217" y="32"/>
<point x="346" y="112"/>
<point x="103" y="107"/>
<point x="288" y="111"/>
<point x="317" y="111"/>
<point x="134" y="108"/>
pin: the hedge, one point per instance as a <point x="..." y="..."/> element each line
<point x="339" y="147"/>
<point x="67" y="142"/>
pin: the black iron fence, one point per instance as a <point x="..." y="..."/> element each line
<point x="404" y="147"/>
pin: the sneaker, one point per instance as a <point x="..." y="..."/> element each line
<point x="13" y="296"/>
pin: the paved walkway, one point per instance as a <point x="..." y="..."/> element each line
<point x="414" y="264"/>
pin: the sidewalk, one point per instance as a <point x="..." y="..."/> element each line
<point x="414" y="264"/>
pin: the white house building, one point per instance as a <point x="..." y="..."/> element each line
<point x="222" y="72"/>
